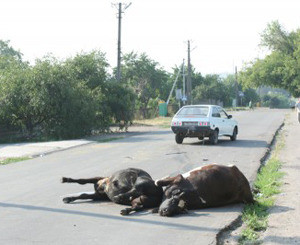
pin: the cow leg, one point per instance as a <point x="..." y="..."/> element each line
<point x="165" y="182"/>
<point x="138" y="204"/>
<point x="84" y="196"/>
<point x="169" y="180"/>
<point x="126" y="197"/>
<point x="81" y="181"/>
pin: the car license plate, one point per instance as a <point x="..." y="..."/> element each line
<point x="190" y="123"/>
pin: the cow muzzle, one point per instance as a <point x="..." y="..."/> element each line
<point x="172" y="206"/>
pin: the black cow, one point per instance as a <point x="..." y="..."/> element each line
<point x="130" y="186"/>
<point x="208" y="186"/>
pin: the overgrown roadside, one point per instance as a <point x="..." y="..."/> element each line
<point x="262" y="222"/>
<point x="267" y="184"/>
<point x="5" y="161"/>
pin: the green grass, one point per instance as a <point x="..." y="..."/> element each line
<point x="164" y="122"/>
<point x="13" y="159"/>
<point x="267" y="184"/>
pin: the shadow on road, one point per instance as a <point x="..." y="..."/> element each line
<point x="106" y="216"/>
<point x="238" y="143"/>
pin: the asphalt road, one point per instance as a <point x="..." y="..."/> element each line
<point x="32" y="211"/>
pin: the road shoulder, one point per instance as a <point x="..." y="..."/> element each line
<point x="283" y="222"/>
<point x="36" y="149"/>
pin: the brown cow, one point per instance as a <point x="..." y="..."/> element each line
<point x="208" y="186"/>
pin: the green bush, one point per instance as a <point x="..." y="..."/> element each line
<point x="274" y="100"/>
<point x="62" y="99"/>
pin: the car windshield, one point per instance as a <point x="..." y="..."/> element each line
<point x="199" y="111"/>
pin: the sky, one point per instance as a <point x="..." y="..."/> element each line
<point x="223" y="34"/>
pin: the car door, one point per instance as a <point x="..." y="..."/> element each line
<point x="226" y="122"/>
<point x="217" y="120"/>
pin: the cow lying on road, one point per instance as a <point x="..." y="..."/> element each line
<point x="208" y="186"/>
<point x="130" y="186"/>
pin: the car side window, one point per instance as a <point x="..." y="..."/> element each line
<point x="215" y="112"/>
<point x="223" y="114"/>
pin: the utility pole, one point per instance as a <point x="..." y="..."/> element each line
<point x="120" y="11"/>
<point x="183" y="85"/>
<point x="189" y="76"/>
<point x="236" y="88"/>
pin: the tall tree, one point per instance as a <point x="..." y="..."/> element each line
<point x="212" y="87"/>
<point x="145" y="76"/>
<point x="8" y="51"/>
<point x="91" y="68"/>
<point x="281" y="68"/>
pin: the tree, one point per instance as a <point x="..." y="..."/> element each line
<point x="62" y="99"/>
<point x="90" y="68"/>
<point x="13" y="77"/>
<point x="8" y="51"/>
<point x="212" y="88"/>
<point x="145" y="77"/>
<point x="281" y="68"/>
<point x="119" y="101"/>
<point x="47" y="97"/>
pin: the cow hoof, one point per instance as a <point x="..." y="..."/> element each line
<point x="67" y="200"/>
<point x="125" y="211"/>
<point x="64" y="180"/>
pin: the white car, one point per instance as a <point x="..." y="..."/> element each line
<point x="203" y="121"/>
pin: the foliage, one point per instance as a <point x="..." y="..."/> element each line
<point x="281" y="67"/>
<point x="62" y="99"/>
<point x="89" y="68"/>
<point x="211" y="87"/>
<point x="9" y="52"/>
<point x="275" y="100"/>
<point x="251" y="95"/>
<point x="120" y="103"/>
<point x="146" y="78"/>
<point x="48" y="96"/>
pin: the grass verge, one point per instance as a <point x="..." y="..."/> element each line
<point x="267" y="184"/>
<point x="164" y="122"/>
<point x="13" y="159"/>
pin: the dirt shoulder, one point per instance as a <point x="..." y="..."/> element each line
<point x="283" y="221"/>
<point x="284" y="225"/>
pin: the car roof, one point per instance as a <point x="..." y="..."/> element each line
<point x="199" y="106"/>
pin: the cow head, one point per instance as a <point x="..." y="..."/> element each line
<point x="113" y="186"/>
<point x="173" y="205"/>
<point x="102" y="185"/>
<point x="174" y="195"/>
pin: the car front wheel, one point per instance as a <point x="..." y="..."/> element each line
<point x="234" y="134"/>
<point x="213" y="138"/>
<point x="179" y="138"/>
